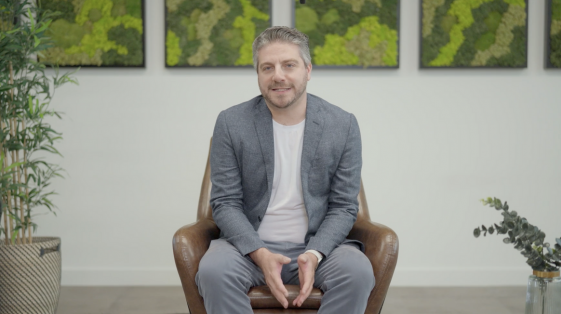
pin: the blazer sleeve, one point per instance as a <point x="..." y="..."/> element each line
<point x="226" y="197"/>
<point x="343" y="197"/>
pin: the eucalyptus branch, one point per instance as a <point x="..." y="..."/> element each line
<point x="525" y="237"/>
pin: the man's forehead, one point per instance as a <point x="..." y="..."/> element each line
<point x="279" y="49"/>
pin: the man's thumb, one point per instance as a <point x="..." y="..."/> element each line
<point x="285" y="260"/>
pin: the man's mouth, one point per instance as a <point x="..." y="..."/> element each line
<point x="281" y="89"/>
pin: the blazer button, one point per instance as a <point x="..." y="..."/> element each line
<point x="259" y="217"/>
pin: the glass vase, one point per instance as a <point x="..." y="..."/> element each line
<point x="544" y="293"/>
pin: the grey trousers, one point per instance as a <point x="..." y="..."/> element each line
<point x="225" y="276"/>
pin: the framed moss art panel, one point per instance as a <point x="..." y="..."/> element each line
<point x="351" y="33"/>
<point x="213" y="33"/>
<point x="96" y="33"/>
<point x="474" y="33"/>
<point x="553" y="33"/>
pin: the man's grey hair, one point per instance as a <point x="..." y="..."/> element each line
<point x="282" y="34"/>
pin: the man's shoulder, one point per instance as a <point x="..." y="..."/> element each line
<point x="328" y="110"/>
<point x="243" y="109"/>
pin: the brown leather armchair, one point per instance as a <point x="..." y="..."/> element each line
<point x="191" y="242"/>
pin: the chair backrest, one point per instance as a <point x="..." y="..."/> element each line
<point x="205" y="211"/>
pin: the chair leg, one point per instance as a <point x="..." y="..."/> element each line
<point x="381" y="307"/>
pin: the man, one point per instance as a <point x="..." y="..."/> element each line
<point x="285" y="172"/>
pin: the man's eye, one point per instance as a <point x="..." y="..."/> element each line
<point x="290" y="65"/>
<point x="266" y="68"/>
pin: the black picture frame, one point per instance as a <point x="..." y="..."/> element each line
<point x="356" y="67"/>
<point x="205" y="66"/>
<point x="548" y="22"/>
<point x="421" y="66"/>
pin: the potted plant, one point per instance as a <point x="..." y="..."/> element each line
<point x="544" y="285"/>
<point x="30" y="267"/>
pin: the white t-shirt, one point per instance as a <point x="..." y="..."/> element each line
<point x="286" y="218"/>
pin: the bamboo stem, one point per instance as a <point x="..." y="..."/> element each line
<point x="6" y="239"/>
<point x="14" y="180"/>
<point x="28" y="219"/>
<point x="5" y="201"/>
<point x="9" y="203"/>
<point x="21" y="213"/>
<point x="2" y="165"/>
<point x="5" y="211"/>
<point x="9" y="226"/>
<point x="13" y="126"/>
<point x="20" y="192"/>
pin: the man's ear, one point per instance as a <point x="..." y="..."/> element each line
<point x="309" y="70"/>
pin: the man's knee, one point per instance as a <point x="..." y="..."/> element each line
<point x="220" y="269"/>
<point x="211" y="271"/>
<point x="357" y="268"/>
<point x="363" y="275"/>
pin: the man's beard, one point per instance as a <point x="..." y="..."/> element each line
<point x="290" y="102"/>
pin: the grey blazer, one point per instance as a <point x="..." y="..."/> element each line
<point x="242" y="165"/>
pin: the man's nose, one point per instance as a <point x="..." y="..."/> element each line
<point x="278" y="75"/>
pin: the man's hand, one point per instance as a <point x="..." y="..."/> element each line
<point x="271" y="266"/>
<point x="307" y="264"/>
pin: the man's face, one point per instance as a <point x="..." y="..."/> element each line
<point x="281" y="74"/>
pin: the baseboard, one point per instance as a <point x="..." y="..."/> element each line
<point x="462" y="277"/>
<point x="410" y="277"/>
<point x="120" y="277"/>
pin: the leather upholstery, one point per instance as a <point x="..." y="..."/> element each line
<point x="190" y="243"/>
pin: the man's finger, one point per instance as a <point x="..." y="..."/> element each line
<point x="278" y="289"/>
<point x="280" y="297"/>
<point x="306" y="275"/>
<point x="284" y="259"/>
<point x="304" y="293"/>
<point x="280" y="294"/>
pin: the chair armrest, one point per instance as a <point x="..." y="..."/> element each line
<point x="189" y="245"/>
<point x="381" y="248"/>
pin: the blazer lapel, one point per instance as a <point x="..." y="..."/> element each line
<point x="312" y="133"/>
<point x="264" y="127"/>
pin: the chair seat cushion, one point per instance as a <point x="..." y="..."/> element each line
<point x="262" y="298"/>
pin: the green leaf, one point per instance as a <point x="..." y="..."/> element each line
<point x="498" y="204"/>
<point x="477" y="232"/>
<point x="491" y="230"/>
<point x="44" y="26"/>
<point x="506" y="240"/>
<point x="31" y="20"/>
<point x="5" y="88"/>
<point x="15" y="164"/>
<point x="15" y="234"/>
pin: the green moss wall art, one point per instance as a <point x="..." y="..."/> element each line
<point x="96" y="33"/>
<point x="359" y="33"/>
<point x="553" y="31"/>
<point x="214" y="33"/>
<point x="474" y="33"/>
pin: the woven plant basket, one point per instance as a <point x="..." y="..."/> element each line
<point x="30" y="277"/>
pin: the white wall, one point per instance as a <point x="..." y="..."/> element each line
<point x="435" y="142"/>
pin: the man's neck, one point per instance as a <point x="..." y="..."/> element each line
<point x="291" y="115"/>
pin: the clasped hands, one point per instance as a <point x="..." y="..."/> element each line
<point x="271" y="265"/>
